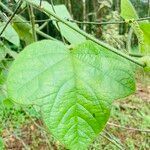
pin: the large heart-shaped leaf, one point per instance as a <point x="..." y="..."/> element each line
<point x="74" y="88"/>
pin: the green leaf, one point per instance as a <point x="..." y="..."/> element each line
<point x="70" y="35"/>
<point x="139" y="33"/>
<point x="10" y="34"/>
<point x="141" y="30"/>
<point x="143" y="34"/>
<point x="73" y="88"/>
<point x="145" y="46"/>
<point x="24" y="32"/>
<point x="127" y="10"/>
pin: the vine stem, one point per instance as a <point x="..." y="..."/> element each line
<point x="106" y="23"/>
<point x="53" y="8"/>
<point x="112" y="141"/>
<point x="126" y="128"/>
<point x="148" y="8"/>
<point x="108" y="47"/>
<point x="32" y="20"/>
<point x="40" y="2"/>
<point x="113" y="138"/>
<point x="86" y="22"/>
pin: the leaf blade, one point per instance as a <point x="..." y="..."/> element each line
<point x="127" y="10"/>
<point x="10" y="34"/>
<point x="145" y="46"/>
<point x="69" y="87"/>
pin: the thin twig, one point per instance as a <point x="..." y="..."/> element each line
<point x="18" y="138"/>
<point x="53" y="8"/>
<point x="40" y="3"/>
<point x="70" y="7"/>
<point x="22" y="10"/>
<point x="105" y="23"/>
<point x="112" y="141"/>
<point x="28" y="21"/>
<point x="26" y="147"/>
<point x="82" y="22"/>
<point x="39" y="127"/>
<point x="43" y="25"/>
<point x="126" y="128"/>
<point x="113" y="137"/>
<point x="7" y="23"/>
<point x="136" y="55"/>
<point x="101" y="43"/>
<point x="84" y="14"/>
<point x="32" y="20"/>
<point x="3" y="17"/>
<point x="148" y="8"/>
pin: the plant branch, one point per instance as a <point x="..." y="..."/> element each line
<point x="106" y="23"/>
<point x="108" y="47"/>
<point x="112" y="141"/>
<point x="136" y="55"/>
<point x="53" y="8"/>
<point x="126" y="128"/>
<point x="43" y="25"/>
<point x="38" y="126"/>
<point x="93" y="23"/>
<point x="148" y="8"/>
<point x="40" y="2"/>
<point x="113" y="138"/>
<point x="82" y="22"/>
<point x="32" y="20"/>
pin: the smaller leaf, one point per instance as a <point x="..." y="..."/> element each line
<point x="72" y="36"/>
<point x="127" y="10"/>
<point x="24" y="33"/>
<point x="145" y="46"/>
<point x="10" y="34"/>
<point x="138" y="32"/>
